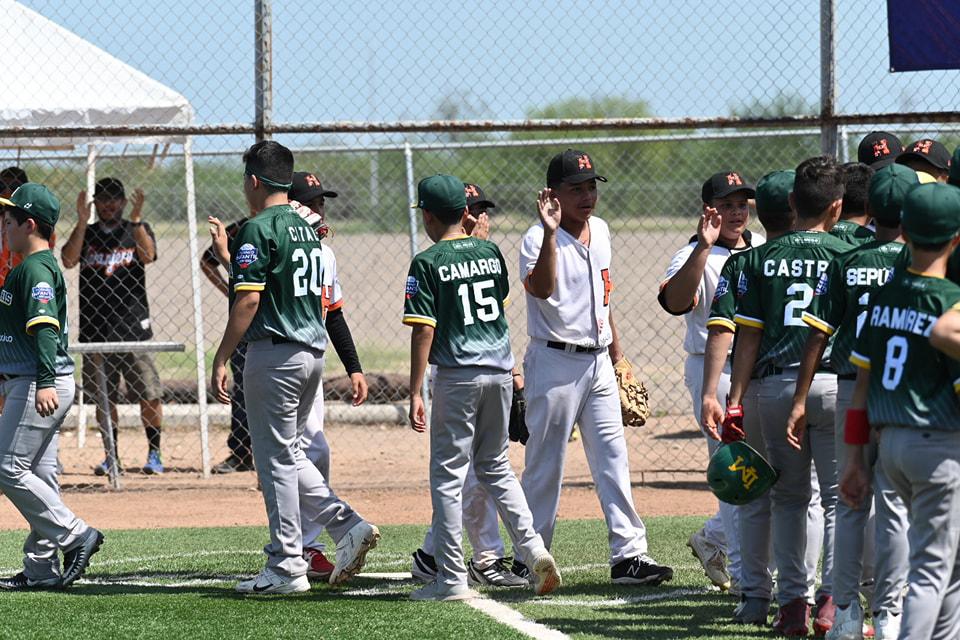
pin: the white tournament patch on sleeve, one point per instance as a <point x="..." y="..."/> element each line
<point x="247" y="254"/>
<point x="412" y="288"/>
<point x="42" y="292"/>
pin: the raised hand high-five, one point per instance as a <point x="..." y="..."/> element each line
<point x="548" y="206"/>
<point x="708" y="231"/>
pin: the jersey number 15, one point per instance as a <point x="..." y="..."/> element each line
<point x="485" y="305"/>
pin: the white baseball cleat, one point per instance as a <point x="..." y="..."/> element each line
<point x="443" y="593"/>
<point x="848" y="623"/>
<point x="711" y="557"/>
<point x="546" y="575"/>
<point x="352" y="551"/>
<point x="269" y="582"/>
<point x="886" y="626"/>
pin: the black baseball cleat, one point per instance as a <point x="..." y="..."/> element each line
<point x="640" y="569"/>
<point x="233" y="464"/>
<point x="77" y="558"/>
<point x="21" y="582"/>
<point x="520" y="570"/>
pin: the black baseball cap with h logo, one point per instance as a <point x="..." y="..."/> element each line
<point x="724" y="183"/>
<point x="571" y="167"/>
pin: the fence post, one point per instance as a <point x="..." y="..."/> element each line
<point x="197" y="306"/>
<point x="263" y="68"/>
<point x="91" y="186"/>
<point x="828" y="78"/>
<point x="414" y="245"/>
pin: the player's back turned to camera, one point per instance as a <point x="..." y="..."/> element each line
<point x="454" y="300"/>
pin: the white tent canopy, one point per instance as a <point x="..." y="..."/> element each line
<point x="58" y="79"/>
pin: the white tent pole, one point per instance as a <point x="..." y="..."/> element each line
<point x="91" y="184"/>
<point x="197" y="306"/>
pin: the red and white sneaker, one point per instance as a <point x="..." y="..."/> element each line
<point x="318" y="567"/>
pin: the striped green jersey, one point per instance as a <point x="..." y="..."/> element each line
<point x="842" y="297"/>
<point x="458" y="287"/>
<point x="911" y="383"/>
<point x="777" y="286"/>
<point x="279" y="255"/>
<point x="852" y="233"/>
<point x="33" y="294"/>
<point x="724" y="305"/>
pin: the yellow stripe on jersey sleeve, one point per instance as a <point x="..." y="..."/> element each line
<point x="747" y="321"/>
<point x="719" y="321"/>
<point x="250" y="286"/>
<point x="33" y="322"/>
<point x="410" y="319"/>
<point x="956" y="386"/>
<point x="860" y="361"/>
<point x="818" y="324"/>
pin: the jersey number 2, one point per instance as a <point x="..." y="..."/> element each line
<point x="309" y="272"/>
<point x="793" y="312"/>
<point x="487" y="309"/>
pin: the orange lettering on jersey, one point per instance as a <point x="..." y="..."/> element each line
<point x="607" y="286"/>
<point x="583" y="162"/>
<point x="312" y="180"/>
<point x="471" y="191"/>
<point x="325" y="296"/>
<point x="880" y="148"/>
<point x="734" y="179"/>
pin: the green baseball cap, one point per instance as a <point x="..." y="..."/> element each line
<point x="36" y="200"/>
<point x="931" y="213"/>
<point x="737" y="474"/>
<point x="888" y="188"/>
<point x="441" y="193"/>
<point x="954" y="176"/>
<point x="773" y="192"/>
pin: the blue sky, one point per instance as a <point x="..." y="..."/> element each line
<point x="357" y="60"/>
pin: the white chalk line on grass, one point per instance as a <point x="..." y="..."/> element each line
<point x="515" y="620"/>
<point x="627" y="600"/>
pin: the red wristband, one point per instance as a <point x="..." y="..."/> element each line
<point x="857" y="427"/>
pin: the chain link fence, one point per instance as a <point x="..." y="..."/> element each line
<point x="661" y="96"/>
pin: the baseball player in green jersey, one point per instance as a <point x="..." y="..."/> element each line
<point x="756" y="583"/>
<point x="36" y="378"/>
<point x="838" y="309"/>
<point x="455" y="293"/>
<point x="276" y="307"/>
<point x="906" y="391"/>
<point x="777" y="285"/>
<point x="852" y="225"/>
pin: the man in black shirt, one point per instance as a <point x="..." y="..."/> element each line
<point x="112" y="253"/>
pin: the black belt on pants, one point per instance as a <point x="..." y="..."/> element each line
<point x="846" y="376"/>
<point x="5" y="376"/>
<point x="563" y="346"/>
<point x="770" y="370"/>
<point x="280" y="340"/>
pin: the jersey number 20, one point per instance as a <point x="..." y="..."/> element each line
<point x="309" y="272"/>
<point x="486" y="305"/>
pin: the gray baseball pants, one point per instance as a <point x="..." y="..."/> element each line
<point x="790" y="496"/>
<point x="28" y="459"/>
<point x="281" y="384"/>
<point x="755" y="530"/>
<point x="471" y="412"/>
<point x="924" y="468"/>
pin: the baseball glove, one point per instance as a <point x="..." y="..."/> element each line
<point x="518" y="423"/>
<point x="634" y="400"/>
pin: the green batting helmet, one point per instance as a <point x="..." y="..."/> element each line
<point x="737" y="474"/>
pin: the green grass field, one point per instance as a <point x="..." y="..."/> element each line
<point x="178" y="583"/>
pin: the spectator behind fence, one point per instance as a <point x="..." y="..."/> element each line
<point x="241" y="454"/>
<point x="10" y="179"/>
<point x="112" y="254"/>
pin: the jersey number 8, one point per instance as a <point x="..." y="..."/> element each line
<point x="309" y="273"/>
<point x="487" y="309"/>
<point x="893" y="362"/>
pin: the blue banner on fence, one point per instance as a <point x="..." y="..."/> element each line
<point x="924" y="34"/>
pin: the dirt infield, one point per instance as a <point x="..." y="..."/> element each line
<point x="380" y="470"/>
